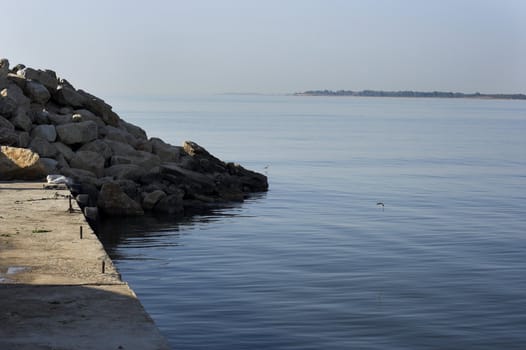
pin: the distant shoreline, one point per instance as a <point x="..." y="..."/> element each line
<point x="416" y="94"/>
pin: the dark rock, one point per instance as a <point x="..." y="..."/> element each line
<point x="4" y="123"/>
<point x="98" y="146"/>
<point x="8" y="137"/>
<point x="22" y="121"/>
<point x="171" y="204"/>
<point x="88" y="160"/>
<point x="37" y="92"/>
<point x="65" y="151"/>
<point x="68" y="96"/>
<point x="125" y="171"/>
<point x="91" y="213"/>
<point x="46" y="131"/>
<point x="113" y="201"/>
<point x="77" y="133"/>
<point x="43" y="147"/>
<point x="151" y="199"/>
<point x="165" y="151"/>
<point x="48" y="78"/>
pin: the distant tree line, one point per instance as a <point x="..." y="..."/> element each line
<point x="437" y="94"/>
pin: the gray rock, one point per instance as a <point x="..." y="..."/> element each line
<point x="21" y="120"/>
<point x="113" y="201"/>
<point x="65" y="110"/>
<point x="125" y="171"/>
<point x="39" y="115"/>
<point x="20" y="164"/>
<point x="8" y="105"/>
<point x="142" y="159"/>
<point x="43" y="147"/>
<point x="77" y="133"/>
<point x="151" y="199"/>
<point x="88" y="160"/>
<point x="8" y="137"/>
<point x="135" y="130"/>
<point x="15" y="93"/>
<point x="37" y="92"/>
<point x="120" y="148"/>
<point x="58" y="119"/>
<point x="51" y="165"/>
<point x="4" y="123"/>
<point x="87" y="115"/>
<point x="98" y="146"/>
<point x="144" y="145"/>
<point x="65" y="151"/>
<point x="17" y="80"/>
<point x="48" y="78"/>
<point x="69" y="97"/>
<point x="100" y="108"/>
<point x="165" y="151"/>
<point x="82" y="199"/>
<point x="80" y="176"/>
<point x="23" y="139"/>
<point x="91" y="213"/>
<point x="116" y="134"/>
<point x="62" y="162"/>
<point x="46" y="131"/>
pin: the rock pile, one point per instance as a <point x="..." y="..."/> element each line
<point x="49" y="127"/>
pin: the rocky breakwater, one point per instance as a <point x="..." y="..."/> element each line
<point x="49" y="127"/>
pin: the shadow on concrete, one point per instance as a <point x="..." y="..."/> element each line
<point x="74" y="317"/>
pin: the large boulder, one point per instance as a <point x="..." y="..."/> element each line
<point x="88" y="115"/>
<point x="113" y="201"/>
<point x="4" y="123"/>
<point x="68" y="96"/>
<point x="20" y="163"/>
<point x="65" y="151"/>
<point x="143" y="159"/>
<point x="165" y="151"/>
<point x="136" y="131"/>
<point x="100" y="108"/>
<point x="46" y="131"/>
<point x="125" y="171"/>
<point x="15" y="93"/>
<point x="37" y="92"/>
<point x="80" y="175"/>
<point x="43" y="147"/>
<point x="22" y="121"/>
<point x="98" y="146"/>
<point x="48" y="78"/>
<point x="119" y="135"/>
<point x="120" y="148"/>
<point x="151" y="199"/>
<point x="88" y="160"/>
<point x="77" y="133"/>
<point x="8" y="137"/>
<point x="59" y="119"/>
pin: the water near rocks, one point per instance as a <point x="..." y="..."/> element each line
<point x="315" y="263"/>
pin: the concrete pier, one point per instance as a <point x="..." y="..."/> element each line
<point x="53" y="291"/>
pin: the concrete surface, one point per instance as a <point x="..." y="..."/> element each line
<point x="53" y="294"/>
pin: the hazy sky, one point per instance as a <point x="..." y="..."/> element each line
<point x="270" y="46"/>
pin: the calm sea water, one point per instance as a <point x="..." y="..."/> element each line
<point x="315" y="263"/>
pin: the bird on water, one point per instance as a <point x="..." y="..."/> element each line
<point x="380" y="204"/>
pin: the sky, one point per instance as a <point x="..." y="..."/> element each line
<point x="169" y="47"/>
